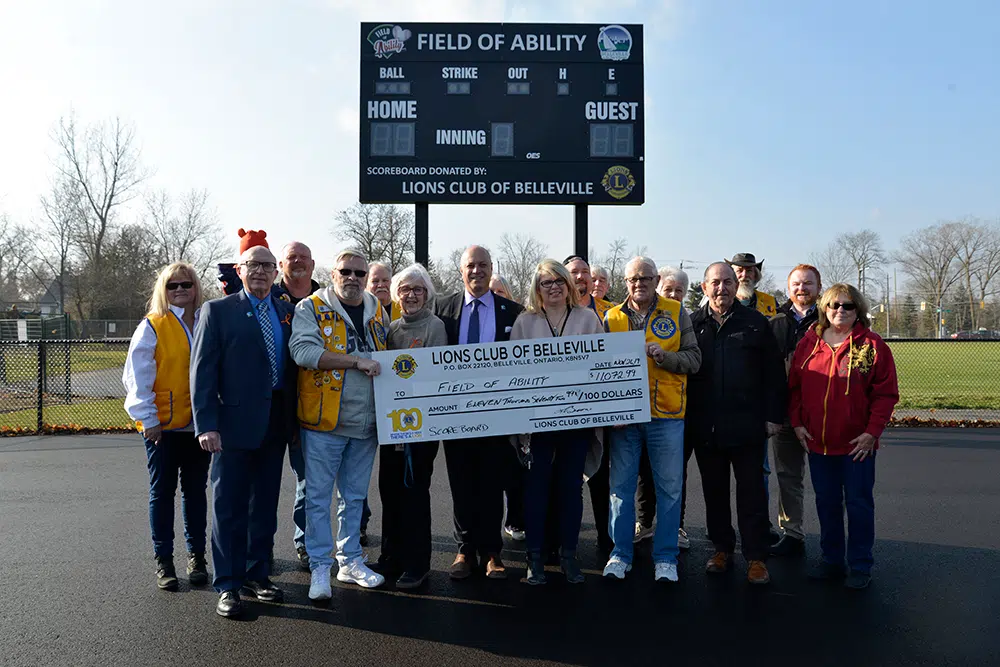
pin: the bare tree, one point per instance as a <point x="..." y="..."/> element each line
<point x="865" y="252"/>
<point x="14" y="242"/>
<point x="970" y="239"/>
<point x="384" y="232"/>
<point x="189" y="232"/>
<point x="446" y="273"/>
<point x="927" y="256"/>
<point x="63" y="212"/>
<point x="988" y="268"/>
<point x="397" y="230"/>
<point x="102" y="161"/>
<point x="833" y="264"/>
<point x="518" y="257"/>
<point x="614" y="261"/>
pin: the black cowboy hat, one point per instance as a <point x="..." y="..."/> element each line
<point x="746" y="259"/>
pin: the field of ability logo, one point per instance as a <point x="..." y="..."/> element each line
<point x="388" y="39"/>
<point x="614" y="42"/>
<point x="406" y="420"/>
<point x="618" y="182"/>
<point x="404" y="366"/>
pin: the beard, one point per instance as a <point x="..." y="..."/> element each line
<point x="746" y="289"/>
<point x="349" y="292"/>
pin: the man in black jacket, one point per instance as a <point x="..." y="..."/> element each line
<point x="735" y="401"/>
<point x="794" y="319"/>
<point x="476" y="466"/>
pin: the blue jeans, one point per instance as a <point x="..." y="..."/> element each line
<point x="332" y="460"/>
<point x="297" y="462"/>
<point x="177" y="453"/>
<point x="840" y="481"/>
<point x="664" y="440"/>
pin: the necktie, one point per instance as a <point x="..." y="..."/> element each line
<point x="474" y="322"/>
<point x="265" y="328"/>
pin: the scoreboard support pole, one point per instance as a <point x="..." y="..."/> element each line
<point x="421" y="240"/>
<point x="580" y="227"/>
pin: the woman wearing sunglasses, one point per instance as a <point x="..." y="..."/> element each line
<point x="842" y="390"/>
<point x="158" y="398"/>
<point x="558" y="457"/>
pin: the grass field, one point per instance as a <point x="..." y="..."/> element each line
<point x="101" y="414"/>
<point x="19" y="365"/>
<point x="948" y="374"/>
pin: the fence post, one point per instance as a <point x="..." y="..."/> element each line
<point x="41" y="382"/>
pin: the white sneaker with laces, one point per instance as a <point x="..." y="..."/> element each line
<point x="358" y="573"/>
<point x="319" y="586"/>
<point x="683" y="542"/>
<point x="642" y="533"/>
<point x="665" y="572"/>
<point x="616" y="568"/>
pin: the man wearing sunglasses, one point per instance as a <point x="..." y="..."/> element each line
<point x="334" y="333"/>
<point x="243" y="399"/>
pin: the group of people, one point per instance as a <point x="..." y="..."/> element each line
<point x="220" y="390"/>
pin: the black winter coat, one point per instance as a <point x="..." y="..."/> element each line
<point x="741" y="383"/>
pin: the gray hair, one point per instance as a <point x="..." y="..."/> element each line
<point x="713" y="264"/>
<point x="642" y="261"/>
<point x="413" y="273"/>
<point x="598" y="270"/>
<point x="344" y="254"/>
<point x="675" y="274"/>
<point x="373" y="265"/>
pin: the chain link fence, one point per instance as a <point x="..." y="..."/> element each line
<point x="49" y="386"/>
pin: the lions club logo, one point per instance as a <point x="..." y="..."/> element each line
<point x="618" y="182"/>
<point x="379" y="332"/>
<point x="663" y="326"/>
<point x="388" y="39"/>
<point x="406" y="420"/>
<point x="404" y="366"/>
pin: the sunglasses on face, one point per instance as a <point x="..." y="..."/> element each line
<point x="845" y="306"/>
<point x="185" y="284"/>
<point x="358" y="273"/>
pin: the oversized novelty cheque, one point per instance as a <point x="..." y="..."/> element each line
<point x="542" y="384"/>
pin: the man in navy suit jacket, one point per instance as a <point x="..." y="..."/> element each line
<point x="243" y="396"/>
<point x="477" y="467"/>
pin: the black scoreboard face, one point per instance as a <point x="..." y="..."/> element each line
<point x="476" y="113"/>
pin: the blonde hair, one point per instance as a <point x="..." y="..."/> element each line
<point x="841" y="289"/>
<point x="557" y="270"/>
<point x="159" y="304"/>
<point x="509" y="293"/>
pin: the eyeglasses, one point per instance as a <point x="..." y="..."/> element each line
<point x="266" y="267"/>
<point x="846" y="306"/>
<point x="549" y="284"/>
<point x="640" y="280"/>
<point x="358" y="273"/>
<point x="415" y="291"/>
<point x="187" y="284"/>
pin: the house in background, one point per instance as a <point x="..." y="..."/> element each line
<point x="50" y="303"/>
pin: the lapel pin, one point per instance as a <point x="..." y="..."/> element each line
<point x="249" y="314"/>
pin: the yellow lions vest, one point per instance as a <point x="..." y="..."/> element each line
<point x="172" y="386"/>
<point x="766" y="305"/>
<point x="601" y="307"/>
<point x="319" y="390"/>
<point x="397" y="311"/>
<point x="667" y="391"/>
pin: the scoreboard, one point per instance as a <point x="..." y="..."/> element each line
<point x="491" y="113"/>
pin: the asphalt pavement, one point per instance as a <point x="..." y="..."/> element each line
<point x="78" y="586"/>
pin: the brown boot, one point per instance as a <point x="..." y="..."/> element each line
<point x="718" y="563"/>
<point x="757" y="573"/>
<point x="461" y="568"/>
<point x="495" y="568"/>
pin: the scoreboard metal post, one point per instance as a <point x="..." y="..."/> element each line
<point x="502" y="113"/>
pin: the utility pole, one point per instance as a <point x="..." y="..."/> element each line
<point x="888" y="307"/>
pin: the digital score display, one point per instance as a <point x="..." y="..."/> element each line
<point x="490" y="113"/>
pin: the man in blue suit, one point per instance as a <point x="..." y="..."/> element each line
<point x="243" y="395"/>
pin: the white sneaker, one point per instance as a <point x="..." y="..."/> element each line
<point x="665" y="572"/>
<point x="642" y="532"/>
<point x="319" y="587"/>
<point x="682" y="539"/>
<point x="358" y="573"/>
<point x="515" y="534"/>
<point x="616" y="568"/>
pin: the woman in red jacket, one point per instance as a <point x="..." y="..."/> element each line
<point x="842" y="390"/>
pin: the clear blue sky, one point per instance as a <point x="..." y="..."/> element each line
<point x="771" y="125"/>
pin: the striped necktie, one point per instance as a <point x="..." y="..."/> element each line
<point x="265" y="328"/>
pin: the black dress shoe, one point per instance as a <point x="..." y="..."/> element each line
<point x="166" y="575"/>
<point x="303" y="557"/>
<point x="229" y="605"/>
<point x="197" y="569"/>
<point x="790" y="547"/>
<point x="264" y="590"/>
